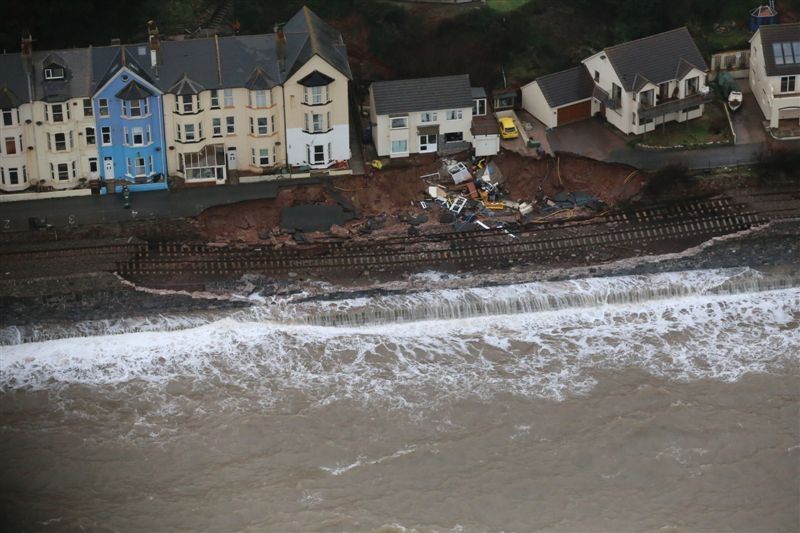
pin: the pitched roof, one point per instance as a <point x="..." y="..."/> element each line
<point x="185" y="86"/>
<point x="422" y="94"/>
<point x="8" y="99"/>
<point x="134" y="91"/>
<point x="239" y="57"/>
<point x="566" y="87"/>
<point x="779" y="33"/>
<point x="657" y="58"/>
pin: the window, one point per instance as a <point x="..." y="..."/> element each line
<point x="453" y="137"/>
<point x="187" y="103"/>
<point x="8" y="117"/>
<point x="60" y="140"/>
<point x="398" y="123"/>
<point x="479" y="107"/>
<point x="272" y="123"/>
<point x="128" y="166"/>
<point x="616" y="94"/>
<point x="102" y="105"/>
<point x="87" y="107"/>
<point x="57" y="112"/>
<point x="140" y="169"/>
<point x="692" y="86"/>
<point x="138" y="136"/>
<point x="647" y="98"/>
<point x="596" y="76"/>
<point x="228" y="97"/>
<point x="260" y="157"/>
<point x="11" y="146"/>
<point x="215" y="99"/>
<point x="316" y="122"/>
<point x="105" y="136"/>
<point x="13" y="176"/>
<point x="54" y="73"/>
<point x="216" y="127"/>
<point x="61" y="171"/>
<point x="259" y="126"/>
<point x="319" y="154"/>
<point x="126" y="136"/>
<point x="230" y="125"/>
<point x="427" y="117"/>
<point x="188" y="132"/>
<point x="454" y="114"/>
<point x="149" y="134"/>
<point x="90" y="137"/>
<point x="92" y="164"/>
<point x="3" y="175"/>
<point x="259" y="98"/>
<point x="786" y="53"/>
<point x="136" y="108"/>
<point x="315" y="95"/>
<point x="788" y="84"/>
<point x="400" y="147"/>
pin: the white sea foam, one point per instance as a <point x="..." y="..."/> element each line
<point x="696" y="333"/>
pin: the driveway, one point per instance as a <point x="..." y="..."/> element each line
<point x="748" y="121"/>
<point x="592" y="138"/>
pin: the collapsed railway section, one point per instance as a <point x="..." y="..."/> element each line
<point x="648" y="230"/>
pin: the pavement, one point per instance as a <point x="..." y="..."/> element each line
<point x="64" y="212"/>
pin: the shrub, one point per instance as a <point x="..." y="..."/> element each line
<point x="665" y="179"/>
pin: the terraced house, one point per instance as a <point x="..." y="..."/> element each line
<point x="202" y="111"/>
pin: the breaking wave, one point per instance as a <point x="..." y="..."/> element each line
<point x="545" y="340"/>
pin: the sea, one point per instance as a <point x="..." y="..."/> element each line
<point x="659" y="402"/>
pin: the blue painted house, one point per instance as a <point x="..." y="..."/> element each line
<point x="130" y="127"/>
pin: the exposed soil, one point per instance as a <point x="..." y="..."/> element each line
<point x="397" y="190"/>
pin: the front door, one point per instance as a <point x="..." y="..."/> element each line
<point x="108" y="168"/>
<point x="232" y="164"/>
<point x="427" y="143"/>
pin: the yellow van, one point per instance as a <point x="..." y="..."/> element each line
<point x="507" y="128"/>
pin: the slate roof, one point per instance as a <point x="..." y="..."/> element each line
<point x="778" y="33"/>
<point x="566" y="87"/>
<point x="657" y="58"/>
<point x="134" y="91"/>
<point x="245" y="60"/>
<point x="422" y="94"/>
<point x="478" y="92"/>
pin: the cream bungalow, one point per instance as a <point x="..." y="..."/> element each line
<point x="635" y="85"/>
<point x="775" y="71"/>
<point x="427" y="115"/>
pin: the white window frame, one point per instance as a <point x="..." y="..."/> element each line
<point x="230" y="125"/>
<point x="88" y="110"/>
<point x="259" y="98"/>
<point x="189" y="133"/>
<point x="788" y="84"/>
<point x="214" y="99"/>
<point x="13" y="145"/>
<point x="398" y="123"/>
<point x="404" y="143"/>
<point x="16" y="175"/>
<point x="91" y="136"/>
<point x="8" y="117"/>
<point x="137" y="166"/>
<point x="227" y="95"/>
<point x="454" y="114"/>
<point x="93" y="162"/>
<point x="54" y="73"/>
<point x="59" y="172"/>
<point x="216" y="127"/>
<point x="53" y="108"/>
<point x="427" y="117"/>
<point x="105" y="136"/>
<point x="186" y="103"/>
<point x="102" y="107"/>
<point x="65" y="146"/>
<point x="137" y="132"/>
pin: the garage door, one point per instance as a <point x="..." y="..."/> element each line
<point x="574" y="112"/>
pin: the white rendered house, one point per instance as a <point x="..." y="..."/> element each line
<point x="775" y="71"/>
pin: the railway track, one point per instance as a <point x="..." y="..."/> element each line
<point x="653" y="229"/>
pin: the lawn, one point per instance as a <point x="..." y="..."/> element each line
<point x="506" y="5"/>
<point x="712" y="127"/>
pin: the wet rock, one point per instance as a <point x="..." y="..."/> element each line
<point x="300" y="237"/>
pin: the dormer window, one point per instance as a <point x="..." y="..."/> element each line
<point x="315" y="95"/>
<point x="136" y="108"/>
<point x="54" y="73"/>
<point x="260" y="98"/>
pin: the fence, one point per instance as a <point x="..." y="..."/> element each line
<point x="734" y="62"/>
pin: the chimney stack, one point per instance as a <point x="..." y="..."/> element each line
<point x="280" y="47"/>
<point x="26" y="51"/>
<point x="155" y="44"/>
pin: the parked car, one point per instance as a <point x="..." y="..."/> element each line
<point x="508" y="130"/>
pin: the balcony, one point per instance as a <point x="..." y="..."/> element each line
<point x="674" y="106"/>
<point x="605" y="98"/>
